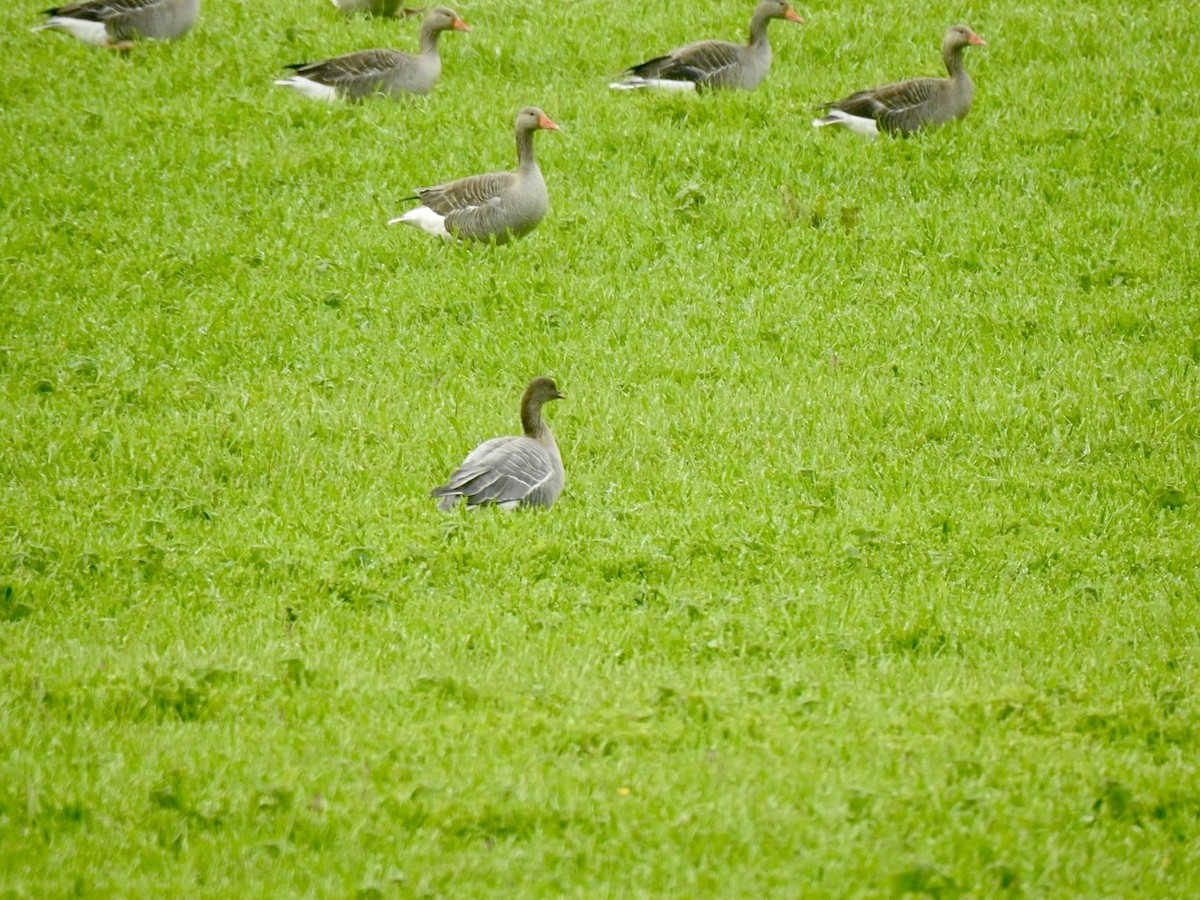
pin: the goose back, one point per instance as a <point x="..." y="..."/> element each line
<point x="384" y="8"/>
<point x="356" y="76"/>
<point x="506" y="472"/>
<point x="125" y="20"/>
<point x="512" y="471"/>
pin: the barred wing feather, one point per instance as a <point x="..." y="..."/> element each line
<point x="708" y="62"/>
<point x="466" y="193"/>
<point x="898" y="107"/>
<point x="506" y="471"/>
<point x="102" y="10"/>
<point x="366" y="64"/>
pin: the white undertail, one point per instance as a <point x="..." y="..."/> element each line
<point x="426" y="219"/>
<point x="93" y="33"/>
<point x="309" y="88"/>
<point x="636" y="82"/>
<point x="857" y="124"/>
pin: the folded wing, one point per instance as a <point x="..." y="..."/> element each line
<point x="506" y="471"/>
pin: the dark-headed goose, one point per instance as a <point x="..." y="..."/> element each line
<point x="512" y="471"/>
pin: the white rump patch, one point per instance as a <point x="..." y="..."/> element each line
<point x="426" y="219"/>
<point x="634" y="83"/>
<point x="857" y="124"/>
<point x="314" y="90"/>
<point x="92" y="33"/>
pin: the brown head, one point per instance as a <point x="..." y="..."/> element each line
<point x="541" y="390"/>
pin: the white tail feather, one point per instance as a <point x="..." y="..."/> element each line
<point x="93" y="33"/>
<point x="635" y="82"/>
<point x="309" y="88"/>
<point x="857" y="124"/>
<point x="426" y="219"/>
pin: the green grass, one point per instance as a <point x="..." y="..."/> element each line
<point x="877" y="566"/>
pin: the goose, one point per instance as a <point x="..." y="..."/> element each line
<point x="512" y="471"/>
<point x="116" y="24"/>
<point x="497" y="206"/>
<point x="386" y="8"/>
<point x="713" y="64"/>
<point x="909" y="106"/>
<point x="356" y="76"/>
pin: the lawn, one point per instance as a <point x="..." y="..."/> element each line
<point x="877" y="570"/>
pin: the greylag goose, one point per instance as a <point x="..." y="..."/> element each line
<point x="386" y="8"/>
<point x="512" y="471"/>
<point x="909" y="106"/>
<point x="116" y="24"/>
<point x="713" y="64"/>
<point x="493" y="207"/>
<point x="356" y="76"/>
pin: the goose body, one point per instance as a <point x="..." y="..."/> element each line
<point x="508" y="472"/>
<point x="115" y="24"/>
<point x="385" y="8"/>
<point x="356" y="76"/>
<point x="713" y="64"/>
<point x="497" y="206"/>
<point x="910" y="106"/>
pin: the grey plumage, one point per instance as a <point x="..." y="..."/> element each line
<point x="356" y="76"/>
<point x="116" y="23"/>
<point x="496" y="206"/>
<point x="384" y="8"/>
<point x="714" y="64"/>
<point x="909" y="106"/>
<point x="512" y="471"/>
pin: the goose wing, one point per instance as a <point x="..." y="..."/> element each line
<point x="465" y="194"/>
<point x="896" y="107"/>
<point x="705" y="63"/>
<point x="365" y="65"/>
<point x="102" y="10"/>
<point x="506" y="471"/>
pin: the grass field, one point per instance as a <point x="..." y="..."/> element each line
<point x="877" y="567"/>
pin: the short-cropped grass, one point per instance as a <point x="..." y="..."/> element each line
<point x="877" y="567"/>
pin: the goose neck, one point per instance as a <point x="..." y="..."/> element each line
<point x="525" y="157"/>
<point x="758" y="28"/>
<point x="531" y="420"/>
<point x="429" y="39"/>
<point x="952" y="55"/>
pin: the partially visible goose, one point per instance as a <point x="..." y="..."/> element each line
<point x="497" y="206"/>
<point x="356" y="76"/>
<point x="909" y="106"/>
<point x="116" y="24"/>
<point x="713" y="64"/>
<point x="512" y="471"/>
<point x="386" y="8"/>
